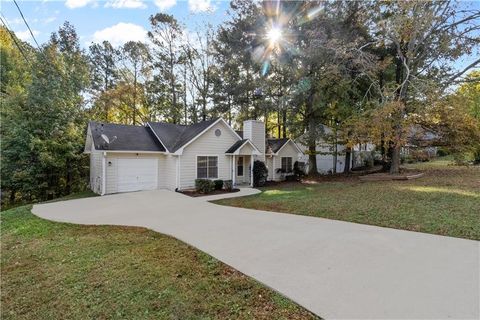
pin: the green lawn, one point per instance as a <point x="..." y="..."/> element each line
<point x="63" y="271"/>
<point x="445" y="201"/>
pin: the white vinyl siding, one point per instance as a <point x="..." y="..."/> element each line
<point x="289" y="150"/>
<point x="255" y="131"/>
<point x="270" y="167"/>
<point x="169" y="173"/>
<point x="207" y="144"/>
<point x="325" y="161"/>
<point x="96" y="178"/>
<point x="247" y="149"/>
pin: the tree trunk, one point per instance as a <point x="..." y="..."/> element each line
<point x="68" y="187"/>
<point x="185" y="94"/>
<point x="335" y="153"/>
<point x="279" y="126"/>
<point x="312" y="160"/>
<point x="400" y="77"/>
<point x="204" y="107"/>
<point x="348" y="157"/>
<point x="312" y="148"/>
<point x="395" y="161"/>
<point x="105" y="104"/>
<point x="312" y="139"/>
<point x="229" y="111"/>
<point x="135" y="95"/>
<point x="12" y="196"/>
<point x="284" y="123"/>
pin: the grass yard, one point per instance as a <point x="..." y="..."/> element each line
<point x="446" y="201"/>
<point x="64" y="271"/>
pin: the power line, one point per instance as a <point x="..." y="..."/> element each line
<point x="30" y="30"/>
<point x="14" y="38"/>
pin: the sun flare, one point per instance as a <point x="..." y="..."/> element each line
<point x="274" y="35"/>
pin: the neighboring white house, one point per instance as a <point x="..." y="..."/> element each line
<point x="326" y="150"/>
<point x="159" y="155"/>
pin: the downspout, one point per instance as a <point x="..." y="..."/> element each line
<point x="251" y="170"/>
<point x="274" y="178"/>
<point x="104" y="173"/>
<point x="231" y="169"/>
<point x="234" y="174"/>
<point x="178" y="174"/>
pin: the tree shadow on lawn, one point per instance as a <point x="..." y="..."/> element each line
<point x="443" y="210"/>
<point x="58" y="270"/>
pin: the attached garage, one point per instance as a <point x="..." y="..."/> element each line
<point x="135" y="174"/>
<point x="124" y="158"/>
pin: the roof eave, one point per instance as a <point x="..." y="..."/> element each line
<point x="133" y="151"/>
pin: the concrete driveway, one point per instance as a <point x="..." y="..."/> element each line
<point x="335" y="269"/>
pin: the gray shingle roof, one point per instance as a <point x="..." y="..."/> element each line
<point x="174" y="136"/>
<point x="235" y="146"/>
<point x="275" y="144"/>
<point x="128" y="137"/>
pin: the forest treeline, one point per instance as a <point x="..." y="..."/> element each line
<point x="369" y="70"/>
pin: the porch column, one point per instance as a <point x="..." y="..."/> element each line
<point x="234" y="174"/>
<point x="251" y="170"/>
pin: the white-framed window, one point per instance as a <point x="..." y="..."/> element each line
<point x="240" y="167"/>
<point x="287" y="164"/>
<point x="207" y="167"/>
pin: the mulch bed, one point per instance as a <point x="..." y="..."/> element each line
<point x="366" y="170"/>
<point x="339" y="177"/>
<point x="194" y="193"/>
<point x="384" y="176"/>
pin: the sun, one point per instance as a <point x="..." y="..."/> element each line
<point x="274" y="35"/>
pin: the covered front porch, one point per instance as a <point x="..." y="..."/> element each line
<point x="242" y="154"/>
<point x="242" y="170"/>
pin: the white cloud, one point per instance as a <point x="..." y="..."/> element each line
<point x="26" y="36"/>
<point x="165" y="4"/>
<point x="49" y="20"/>
<point x="121" y="33"/>
<point x="15" y="21"/>
<point x="201" y="6"/>
<point x="73" y="4"/>
<point x="125" y="4"/>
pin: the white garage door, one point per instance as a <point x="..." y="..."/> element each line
<point x="137" y="174"/>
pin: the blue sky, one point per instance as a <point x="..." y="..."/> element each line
<point x="120" y="21"/>
<point x="115" y="20"/>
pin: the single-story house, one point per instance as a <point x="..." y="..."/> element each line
<point x="159" y="155"/>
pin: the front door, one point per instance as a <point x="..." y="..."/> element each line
<point x="240" y="169"/>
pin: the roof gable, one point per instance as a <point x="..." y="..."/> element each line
<point x="275" y="144"/>
<point x="240" y="144"/>
<point x="175" y="136"/>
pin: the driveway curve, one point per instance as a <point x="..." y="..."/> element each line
<point x="336" y="269"/>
